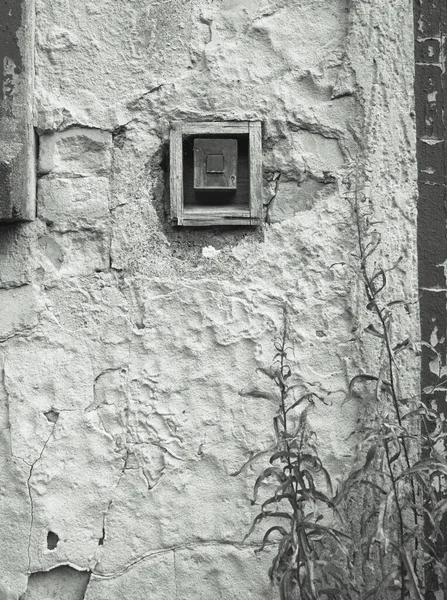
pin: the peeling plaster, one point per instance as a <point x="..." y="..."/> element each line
<point x="60" y="582"/>
<point x="133" y="350"/>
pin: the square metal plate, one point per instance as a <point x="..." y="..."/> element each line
<point x="215" y="164"/>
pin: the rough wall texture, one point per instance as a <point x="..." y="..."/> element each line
<point x="129" y="349"/>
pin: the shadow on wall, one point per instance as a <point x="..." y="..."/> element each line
<point x="60" y="583"/>
<point x="187" y="240"/>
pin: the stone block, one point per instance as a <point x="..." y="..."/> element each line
<point x="19" y="311"/>
<point x="15" y="265"/>
<point x="75" y="253"/>
<point x="78" y="151"/>
<point x="75" y="202"/>
<point x="292" y="197"/>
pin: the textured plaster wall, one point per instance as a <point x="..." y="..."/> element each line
<point x="129" y="349"/>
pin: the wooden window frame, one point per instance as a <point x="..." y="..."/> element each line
<point x="250" y="216"/>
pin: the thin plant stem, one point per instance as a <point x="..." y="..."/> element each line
<point x="371" y="294"/>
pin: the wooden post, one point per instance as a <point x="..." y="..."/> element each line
<point x="430" y="24"/>
<point x="255" y="171"/>
<point x="17" y="141"/>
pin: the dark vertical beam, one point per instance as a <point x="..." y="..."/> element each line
<point x="17" y="143"/>
<point x="430" y="23"/>
<point x="431" y="95"/>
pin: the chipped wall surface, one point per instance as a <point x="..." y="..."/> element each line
<point x="129" y="349"/>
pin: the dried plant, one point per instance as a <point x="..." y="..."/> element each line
<point x="401" y="447"/>
<point x="401" y="464"/>
<point x="302" y="488"/>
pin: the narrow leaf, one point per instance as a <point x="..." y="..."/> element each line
<point x="269" y="472"/>
<point x="373" y="331"/>
<point x="412" y="578"/>
<point x="361" y="377"/>
<point x="267" y="535"/>
<point x="250" y="460"/>
<point x="383" y="586"/>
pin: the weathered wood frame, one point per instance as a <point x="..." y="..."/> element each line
<point x="17" y="139"/>
<point x="199" y="217"/>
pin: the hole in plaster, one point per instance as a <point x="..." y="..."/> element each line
<point x="62" y="583"/>
<point x="101" y="539"/>
<point x="119" y="136"/>
<point x="328" y="177"/>
<point x="52" y="540"/>
<point x="52" y="416"/>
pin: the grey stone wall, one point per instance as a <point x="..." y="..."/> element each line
<point x="129" y="349"/>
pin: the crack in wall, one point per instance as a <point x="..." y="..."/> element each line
<point x="134" y="102"/>
<point x="30" y="495"/>
<point x="13" y="286"/>
<point x="174" y="558"/>
<point x="172" y="549"/>
<point x="96" y="405"/>
<point x="8" y="408"/>
<point x="317" y="127"/>
<point x="276" y="177"/>
<point x="103" y="538"/>
<point x="25" y="332"/>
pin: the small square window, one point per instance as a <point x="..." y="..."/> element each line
<point x="216" y="173"/>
